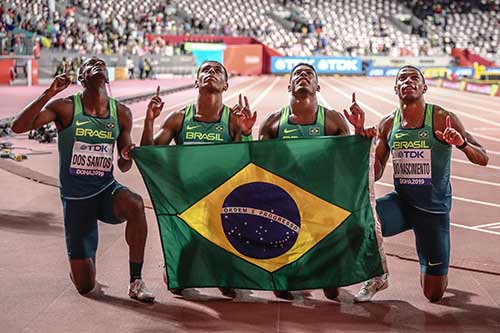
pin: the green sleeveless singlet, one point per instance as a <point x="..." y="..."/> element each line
<point x="421" y="164"/>
<point x="86" y="149"/>
<point x="200" y="132"/>
<point x="286" y="130"/>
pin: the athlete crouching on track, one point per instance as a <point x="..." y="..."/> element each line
<point x="89" y="124"/>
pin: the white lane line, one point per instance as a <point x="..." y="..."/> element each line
<point x="191" y="100"/>
<point x="471" y="97"/>
<point x="396" y="104"/>
<point x="463" y="199"/>
<point x="451" y="101"/>
<point x="494" y="167"/>
<point x="264" y="93"/>
<point x="473" y="228"/>
<point x="487" y="225"/>
<point x="484" y="203"/>
<point x="323" y="101"/>
<point x="477" y="181"/>
<point x="349" y="97"/>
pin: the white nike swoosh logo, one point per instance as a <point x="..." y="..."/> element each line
<point x="400" y="135"/>
<point x="291" y="130"/>
<point x="433" y="263"/>
<point x="192" y="127"/>
<point x="78" y="123"/>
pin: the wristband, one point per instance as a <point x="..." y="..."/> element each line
<point x="463" y="145"/>
<point x="246" y="138"/>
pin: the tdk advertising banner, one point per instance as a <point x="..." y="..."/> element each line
<point x="323" y="65"/>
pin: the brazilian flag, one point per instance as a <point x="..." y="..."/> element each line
<point x="270" y="215"/>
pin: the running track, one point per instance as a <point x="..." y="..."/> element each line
<point x="37" y="294"/>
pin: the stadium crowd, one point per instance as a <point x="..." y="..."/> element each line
<point x="292" y="27"/>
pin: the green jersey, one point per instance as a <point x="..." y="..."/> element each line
<point x="421" y="164"/>
<point x="287" y="130"/>
<point x="199" y="132"/>
<point x="86" y="152"/>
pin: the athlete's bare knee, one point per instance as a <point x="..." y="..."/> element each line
<point x="434" y="286"/>
<point x="83" y="275"/>
<point x="132" y="205"/>
<point x="434" y="295"/>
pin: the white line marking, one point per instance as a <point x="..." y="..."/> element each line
<point x="450" y="100"/>
<point x="468" y="179"/>
<point x="486" y="225"/>
<point x="264" y="93"/>
<point x="491" y="204"/>
<point x="473" y="228"/>
<point x="323" y="101"/>
<point x="350" y="98"/>
<point x="494" y="167"/>
<point x="484" y="99"/>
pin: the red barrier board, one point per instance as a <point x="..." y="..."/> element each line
<point x="6" y="65"/>
<point x="243" y="59"/>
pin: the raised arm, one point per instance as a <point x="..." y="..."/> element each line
<point x="155" y="107"/>
<point x="454" y="133"/>
<point x="124" y="141"/>
<point x="382" y="148"/>
<point x="244" y="119"/>
<point x="35" y="115"/>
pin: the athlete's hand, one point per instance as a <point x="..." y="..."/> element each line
<point x="245" y="118"/>
<point x="369" y="132"/>
<point x="356" y="115"/>
<point x="155" y="106"/>
<point x="450" y="135"/>
<point x="60" y="83"/>
<point x="125" y="153"/>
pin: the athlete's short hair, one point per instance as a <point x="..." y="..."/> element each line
<point x="204" y="62"/>
<point x="302" y="64"/>
<point x="413" y="67"/>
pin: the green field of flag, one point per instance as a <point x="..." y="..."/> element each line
<point x="270" y="215"/>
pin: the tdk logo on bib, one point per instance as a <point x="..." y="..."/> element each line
<point x="323" y="65"/>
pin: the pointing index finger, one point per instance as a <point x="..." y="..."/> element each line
<point x="158" y="91"/>
<point x="66" y="71"/>
<point x="354" y="97"/>
<point x="448" y="121"/>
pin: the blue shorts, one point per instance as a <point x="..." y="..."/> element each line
<point x="432" y="231"/>
<point x="80" y="221"/>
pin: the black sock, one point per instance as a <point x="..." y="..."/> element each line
<point x="135" y="271"/>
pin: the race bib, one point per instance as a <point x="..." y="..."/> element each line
<point x="92" y="159"/>
<point x="412" y="166"/>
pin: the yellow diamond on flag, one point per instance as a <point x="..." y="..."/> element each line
<point x="263" y="218"/>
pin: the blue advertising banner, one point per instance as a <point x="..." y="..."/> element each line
<point x="323" y="65"/>
<point x="428" y="71"/>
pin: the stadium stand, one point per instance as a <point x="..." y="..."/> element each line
<point x="461" y="24"/>
<point x="292" y="27"/>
